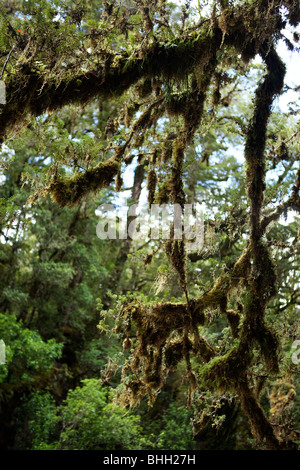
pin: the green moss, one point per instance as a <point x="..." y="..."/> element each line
<point x="269" y="344"/>
<point x="178" y="153"/>
<point x="119" y="182"/>
<point x="217" y="294"/>
<point x="144" y="88"/>
<point x="174" y="352"/>
<point x="256" y="135"/>
<point x="223" y="373"/>
<point x="163" y="193"/>
<point x="175" y="184"/>
<point x="266" y="280"/>
<point x="203" y="349"/>
<point x="233" y="319"/>
<point x="166" y="153"/>
<point x="151" y="185"/>
<point x="175" y="250"/>
<point x="68" y="192"/>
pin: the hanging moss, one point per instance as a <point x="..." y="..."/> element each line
<point x="174" y="352"/>
<point x="249" y="50"/>
<point x="153" y="371"/>
<point x="175" y="184"/>
<point x="166" y="153"/>
<point x="154" y="324"/>
<point x="175" y="250"/>
<point x="233" y="319"/>
<point x="216" y="94"/>
<point x="129" y="112"/>
<point x="266" y="279"/>
<point x="144" y="88"/>
<point x="217" y="296"/>
<point x="119" y="182"/>
<point x="269" y="344"/>
<point x="151" y="185"/>
<point x="143" y="121"/>
<point x="202" y="348"/>
<point x="154" y="327"/>
<point x="163" y="193"/>
<point x="177" y="104"/>
<point x="178" y="153"/>
<point x="133" y="392"/>
<point x="188" y="104"/>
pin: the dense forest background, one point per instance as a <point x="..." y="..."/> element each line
<point x="141" y="343"/>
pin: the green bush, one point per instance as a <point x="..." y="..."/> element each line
<point x="91" y="421"/>
<point x="176" y="433"/>
<point x="36" y="421"/>
<point x="28" y="357"/>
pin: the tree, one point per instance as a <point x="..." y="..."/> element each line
<point x="164" y="83"/>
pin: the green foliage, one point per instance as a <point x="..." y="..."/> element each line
<point x="37" y="421"/>
<point x="28" y="357"/>
<point x="176" y="433"/>
<point x="90" y="421"/>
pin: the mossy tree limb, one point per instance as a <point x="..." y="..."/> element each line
<point x="113" y="74"/>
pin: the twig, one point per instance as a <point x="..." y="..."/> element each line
<point x="6" y="62"/>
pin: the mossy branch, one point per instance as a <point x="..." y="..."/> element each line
<point x="29" y="93"/>
<point x="69" y="191"/>
<point x="256" y="135"/>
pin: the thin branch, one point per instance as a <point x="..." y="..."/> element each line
<point x="6" y="61"/>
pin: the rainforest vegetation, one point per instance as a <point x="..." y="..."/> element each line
<point x="141" y="343"/>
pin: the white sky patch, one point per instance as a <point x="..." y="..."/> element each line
<point x="292" y="77"/>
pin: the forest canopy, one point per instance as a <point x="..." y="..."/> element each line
<point x="149" y="342"/>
